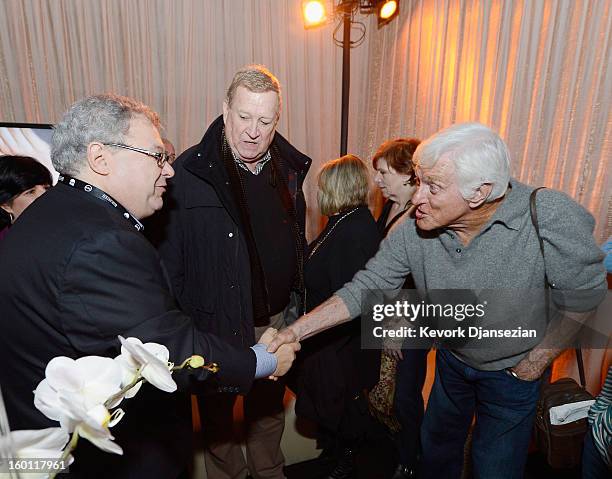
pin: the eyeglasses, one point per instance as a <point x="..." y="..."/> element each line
<point x="161" y="158"/>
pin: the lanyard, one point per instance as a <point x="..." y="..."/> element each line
<point x="98" y="193"/>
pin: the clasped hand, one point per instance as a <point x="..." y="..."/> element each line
<point x="285" y="353"/>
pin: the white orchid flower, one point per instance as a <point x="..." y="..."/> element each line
<point x="93" y="423"/>
<point x="92" y="379"/>
<point x="73" y="393"/>
<point x="148" y="359"/>
<point x="40" y="444"/>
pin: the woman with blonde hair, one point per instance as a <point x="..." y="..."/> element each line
<point x="334" y="370"/>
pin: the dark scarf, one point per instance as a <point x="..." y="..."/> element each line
<point x="259" y="292"/>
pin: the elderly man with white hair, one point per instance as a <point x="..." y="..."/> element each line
<point x="472" y="229"/>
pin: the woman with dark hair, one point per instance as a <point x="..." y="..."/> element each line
<point x="22" y="180"/>
<point x="334" y="370"/>
<point x="396" y="179"/>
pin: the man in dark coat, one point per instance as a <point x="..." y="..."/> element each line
<point x="234" y="251"/>
<point x="77" y="272"/>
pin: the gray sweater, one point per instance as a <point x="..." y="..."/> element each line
<point x="504" y="256"/>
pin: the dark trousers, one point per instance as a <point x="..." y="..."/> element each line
<point x="504" y="407"/>
<point x="593" y="465"/>
<point x="408" y="404"/>
<point x="264" y="417"/>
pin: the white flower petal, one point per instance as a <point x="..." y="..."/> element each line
<point x="96" y="393"/>
<point x="63" y="373"/>
<point x="159" y="376"/>
<point x="72" y="404"/>
<point x="153" y="369"/>
<point x="46" y="400"/>
<point x="49" y="442"/>
<point x="68" y="423"/>
<point x="102" y="439"/>
<point x="158" y="350"/>
<point x="130" y="393"/>
<point x="98" y="417"/>
<point x="42" y="444"/>
<point x="104" y="371"/>
<point x="106" y="445"/>
<point x="129" y="369"/>
<point x="133" y="347"/>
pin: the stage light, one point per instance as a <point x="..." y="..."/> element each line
<point x="343" y="12"/>
<point x="387" y="10"/>
<point x="314" y="13"/>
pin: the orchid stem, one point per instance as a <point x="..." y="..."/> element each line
<point x="183" y="364"/>
<point x="138" y="378"/>
<point x="74" y="440"/>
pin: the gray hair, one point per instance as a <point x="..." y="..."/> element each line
<point x="104" y="118"/>
<point x="255" y="78"/>
<point x="478" y="153"/>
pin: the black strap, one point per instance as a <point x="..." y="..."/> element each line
<point x="534" y="221"/>
<point x="101" y="195"/>
<point x="396" y="218"/>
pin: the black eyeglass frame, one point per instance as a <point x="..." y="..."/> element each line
<point x="161" y="157"/>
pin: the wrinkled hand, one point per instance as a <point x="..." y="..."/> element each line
<point x="393" y="348"/>
<point x="286" y="336"/>
<point x="267" y="336"/>
<point x="285" y="355"/>
<point x="527" y="370"/>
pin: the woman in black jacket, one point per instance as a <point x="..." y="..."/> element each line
<point x="334" y="369"/>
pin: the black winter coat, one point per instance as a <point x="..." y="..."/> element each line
<point x="204" y="249"/>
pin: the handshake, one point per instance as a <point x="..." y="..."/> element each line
<point x="284" y="345"/>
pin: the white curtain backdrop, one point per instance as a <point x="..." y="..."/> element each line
<point x="179" y="57"/>
<point x="538" y="71"/>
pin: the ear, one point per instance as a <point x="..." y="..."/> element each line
<point x="7" y="207"/>
<point x="480" y="195"/>
<point x="98" y="159"/>
<point x="225" y="111"/>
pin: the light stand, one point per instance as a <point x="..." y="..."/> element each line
<point x="345" y="10"/>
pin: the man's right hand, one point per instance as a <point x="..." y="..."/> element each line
<point x="285" y="355"/>
<point x="285" y="336"/>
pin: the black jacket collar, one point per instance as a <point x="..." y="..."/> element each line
<point x="204" y="159"/>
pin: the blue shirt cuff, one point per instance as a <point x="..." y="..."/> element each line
<point x="266" y="362"/>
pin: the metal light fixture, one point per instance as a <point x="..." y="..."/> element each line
<point x="314" y="12"/>
<point x="387" y="11"/>
<point x="320" y="12"/>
